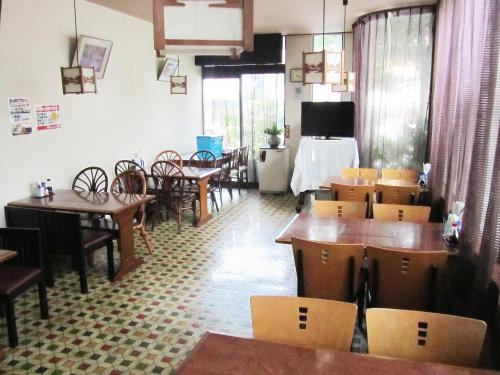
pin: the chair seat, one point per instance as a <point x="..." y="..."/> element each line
<point x="93" y="238"/>
<point x="14" y="279"/>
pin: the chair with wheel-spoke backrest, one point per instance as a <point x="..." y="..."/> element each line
<point x="20" y="273"/>
<point x="302" y="321"/>
<point x="339" y="209"/>
<point x="369" y="173"/>
<point x="405" y="279"/>
<point x="240" y="174"/>
<point x="129" y="165"/>
<point x="170" y="155"/>
<point x="327" y="270"/>
<point x="405" y="195"/>
<point x="169" y="179"/>
<point x="133" y="182"/>
<point x="224" y="176"/>
<point x="91" y="179"/>
<point x="409" y="175"/>
<point x="399" y="212"/>
<point x="425" y="336"/>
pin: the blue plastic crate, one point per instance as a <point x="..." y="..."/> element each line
<point x="211" y="143"/>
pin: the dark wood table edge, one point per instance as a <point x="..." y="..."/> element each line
<point x="7" y="255"/>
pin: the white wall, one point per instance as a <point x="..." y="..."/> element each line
<point x="132" y="110"/>
<point x="295" y="45"/>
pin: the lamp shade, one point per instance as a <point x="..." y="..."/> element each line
<point x="78" y="80"/>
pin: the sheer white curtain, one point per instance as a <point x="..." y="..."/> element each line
<point x="393" y="61"/>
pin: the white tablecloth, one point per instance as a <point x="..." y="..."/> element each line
<point x="318" y="159"/>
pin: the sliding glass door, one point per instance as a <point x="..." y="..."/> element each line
<point x="241" y="108"/>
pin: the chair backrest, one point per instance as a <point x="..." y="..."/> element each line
<point x="357" y="193"/>
<point x="424" y="336"/>
<point x="345" y="209"/>
<point x="170" y="155"/>
<point x="235" y="158"/>
<point x="131" y="182"/>
<point x="91" y="179"/>
<point x="243" y="156"/>
<point x="404" y="279"/>
<point x="398" y="212"/>
<point x="203" y="159"/>
<point x="326" y="270"/>
<point x="303" y="321"/>
<point x="371" y="173"/>
<point x="397" y="194"/>
<point x="168" y="175"/>
<point x="225" y="168"/>
<point x="129" y="165"/>
<point x="400" y="174"/>
<point x="63" y="233"/>
<point x="26" y="243"/>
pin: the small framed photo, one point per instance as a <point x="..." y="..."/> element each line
<point x="168" y="69"/>
<point x="296" y="75"/>
<point x="93" y="53"/>
<point x="178" y="84"/>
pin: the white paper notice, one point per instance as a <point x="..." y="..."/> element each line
<point x="47" y="117"/>
<point x="20" y="115"/>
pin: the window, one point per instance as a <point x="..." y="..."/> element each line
<point x="333" y="42"/>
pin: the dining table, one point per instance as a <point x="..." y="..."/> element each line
<point x="121" y="207"/>
<point x="6" y="255"/>
<point x="370" y="232"/>
<point x="202" y="177"/>
<point x="223" y="354"/>
<point x="186" y="160"/>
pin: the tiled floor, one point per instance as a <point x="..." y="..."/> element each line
<point x="197" y="281"/>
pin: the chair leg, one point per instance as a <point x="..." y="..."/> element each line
<point x="193" y="206"/>
<point x="144" y="235"/>
<point x="10" y="315"/>
<point x="42" y="298"/>
<point x="220" y="193"/>
<point x="82" y="269"/>
<point x="212" y="195"/>
<point x="239" y="183"/>
<point x="230" y="189"/>
<point x="111" y="261"/>
<point x="178" y="213"/>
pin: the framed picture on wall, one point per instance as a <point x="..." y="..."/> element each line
<point x="296" y="75"/>
<point x="168" y="69"/>
<point x="178" y="84"/>
<point x="93" y="52"/>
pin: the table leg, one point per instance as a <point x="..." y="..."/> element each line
<point x="126" y="243"/>
<point x="204" y="214"/>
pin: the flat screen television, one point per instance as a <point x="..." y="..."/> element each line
<point x="327" y="119"/>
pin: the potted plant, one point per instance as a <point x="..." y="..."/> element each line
<point x="273" y="139"/>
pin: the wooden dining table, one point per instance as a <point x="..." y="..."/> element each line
<point x="202" y="177"/>
<point x="222" y="354"/>
<point x="121" y="207"/>
<point x="390" y="234"/>
<point x="364" y="181"/>
<point x="6" y="255"/>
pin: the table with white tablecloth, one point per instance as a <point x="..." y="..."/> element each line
<point x="318" y="159"/>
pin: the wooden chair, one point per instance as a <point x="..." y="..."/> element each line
<point x="133" y="182"/>
<point x="343" y="209"/>
<point x="369" y="173"/>
<point x="424" y="336"/>
<point x="240" y="171"/>
<point x="303" y="321"/>
<point x="404" y="279"/>
<point x="20" y="274"/>
<point x="397" y="194"/>
<point x="409" y="175"/>
<point x="396" y="212"/>
<point x="204" y="159"/>
<point x="91" y="179"/>
<point x="356" y="193"/>
<point x="169" y="179"/>
<point x="170" y="155"/>
<point x="224" y="177"/>
<point x="64" y="235"/>
<point x="326" y="270"/>
<point x="152" y="207"/>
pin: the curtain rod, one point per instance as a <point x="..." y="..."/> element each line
<point x="361" y="18"/>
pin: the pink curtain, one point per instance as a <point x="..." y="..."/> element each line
<point x="465" y="152"/>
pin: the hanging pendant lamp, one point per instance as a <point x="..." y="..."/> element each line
<point x="324" y="67"/>
<point x="78" y="79"/>
<point x="348" y="81"/>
